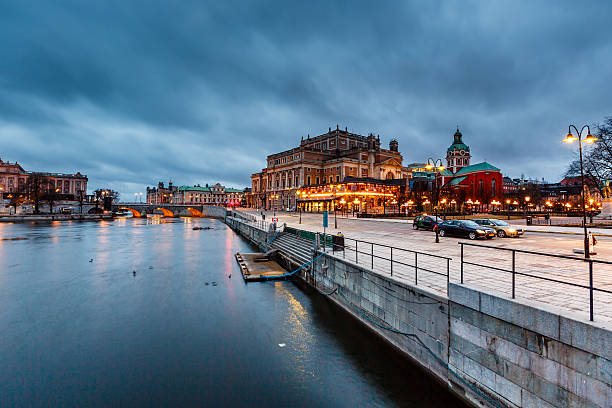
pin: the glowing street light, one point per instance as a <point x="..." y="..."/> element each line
<point x="439" y="167"/>
<point x="570" y="138"/>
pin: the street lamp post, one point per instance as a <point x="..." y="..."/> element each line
<point x="437" y="166"/>
<point x="589" y="139"/>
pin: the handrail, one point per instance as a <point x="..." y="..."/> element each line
<point x="400" y="249"/>
<point x="591" y="288"/>
<point x="524" y="251"/>
<point x="340" y="244"/>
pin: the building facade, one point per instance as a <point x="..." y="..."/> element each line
<point x="13" y="178"/>
<point x="161" y="194"/>
<point x="211" y="195"/>
<point x="479" y="185"/>
<point x="324" y="160"/>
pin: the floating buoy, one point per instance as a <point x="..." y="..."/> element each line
<point x="206" y="283"/>
<point x="134" y="273"/>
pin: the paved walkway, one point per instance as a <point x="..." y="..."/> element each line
<point x="399" y="234"/>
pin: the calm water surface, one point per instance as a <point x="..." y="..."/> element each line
<point x="77" y="328"/>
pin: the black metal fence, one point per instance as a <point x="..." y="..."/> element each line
<point x="414" y="266"/>
<point x="515" y="272"/>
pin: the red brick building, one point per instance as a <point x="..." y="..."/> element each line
<point x="480" y="184"/>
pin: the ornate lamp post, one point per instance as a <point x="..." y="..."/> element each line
<point x="275" y="198"/>
<point x="589" y="139"/>
<point x="437" y="166"/>
<point x="342" y="202"/>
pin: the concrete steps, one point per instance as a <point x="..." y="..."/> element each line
<point x="297" y="249"/>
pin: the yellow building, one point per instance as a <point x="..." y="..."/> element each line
<point x="322" y="161"/>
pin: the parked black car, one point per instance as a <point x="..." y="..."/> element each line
<point x="425" y="222"/>
<point x="465" y="228"/>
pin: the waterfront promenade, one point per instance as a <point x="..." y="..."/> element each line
<point x="573" y="301"/>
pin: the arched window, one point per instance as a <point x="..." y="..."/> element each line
<point x="493" y="187"/>
<point x="390" y="175"/>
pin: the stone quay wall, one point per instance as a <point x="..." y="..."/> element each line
<point x="214" y="211"/>
<point x="529" y="356"/>
<point x="515" y="354"/>
<point x="371" y="297"/>
<point x="257" y="236"/>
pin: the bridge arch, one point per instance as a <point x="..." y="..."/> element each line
<point x="167" y="212"/>
<point x="194" y="212"/>
<point x="135" y="213"/>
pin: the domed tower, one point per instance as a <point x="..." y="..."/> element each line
<point x="458" y="154"/>
<point x="394" y="146"/>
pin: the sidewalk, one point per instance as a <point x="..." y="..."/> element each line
<point x="577" y="230"/>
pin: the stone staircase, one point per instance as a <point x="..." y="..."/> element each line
<point x="295" y="249"/>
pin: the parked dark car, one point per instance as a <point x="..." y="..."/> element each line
<point x="427" y="222"/>
<point x="465" y="228"/>
<point x="502" y="228"/>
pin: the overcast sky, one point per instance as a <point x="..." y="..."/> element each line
<point x="132" y="93"/>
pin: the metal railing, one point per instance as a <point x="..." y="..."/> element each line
<point x="514" y="272"/>
<point x="266" y="226"/>
<point x="413" y="266"/>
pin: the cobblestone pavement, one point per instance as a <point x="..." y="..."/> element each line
<point x="575" y="300"/>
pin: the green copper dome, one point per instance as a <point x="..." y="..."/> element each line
<point x="458" y="143"/>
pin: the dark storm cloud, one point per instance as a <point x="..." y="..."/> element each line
<point x="135" y="92"/>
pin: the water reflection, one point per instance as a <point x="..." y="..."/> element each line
<point x="81" y="333"/>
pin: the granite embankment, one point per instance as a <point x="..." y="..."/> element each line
<point x="489" y="349"/>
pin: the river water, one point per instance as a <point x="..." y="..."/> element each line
<point x="79" y="328"/>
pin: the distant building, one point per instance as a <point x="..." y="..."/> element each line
<point x="161" y="194"/>
<point x="211" y="195"/>
<point x="510" y="186"/>
<point x="481" y="182"/>
<point x="323" y="161"/>
<point x="13" y="178"/>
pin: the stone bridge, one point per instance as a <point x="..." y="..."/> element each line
<point x="172" y="210"/>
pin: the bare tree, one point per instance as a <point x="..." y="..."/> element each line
<point x="51" y="196"/>
<point x="81" y="197"/>
<point x="16" y="199"/>
<point x="597" y="161"/>
<point x="35" y="187"/>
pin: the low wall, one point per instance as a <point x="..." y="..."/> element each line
<point x="55" y="217"/>
<point x="256" y="236"/>
<point x="526" y="356"/>
<point x="213" y="211"/>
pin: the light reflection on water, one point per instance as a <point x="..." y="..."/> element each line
<point x="180" y="331"/>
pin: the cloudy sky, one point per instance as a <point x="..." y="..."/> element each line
<point x="134" y="92"/>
